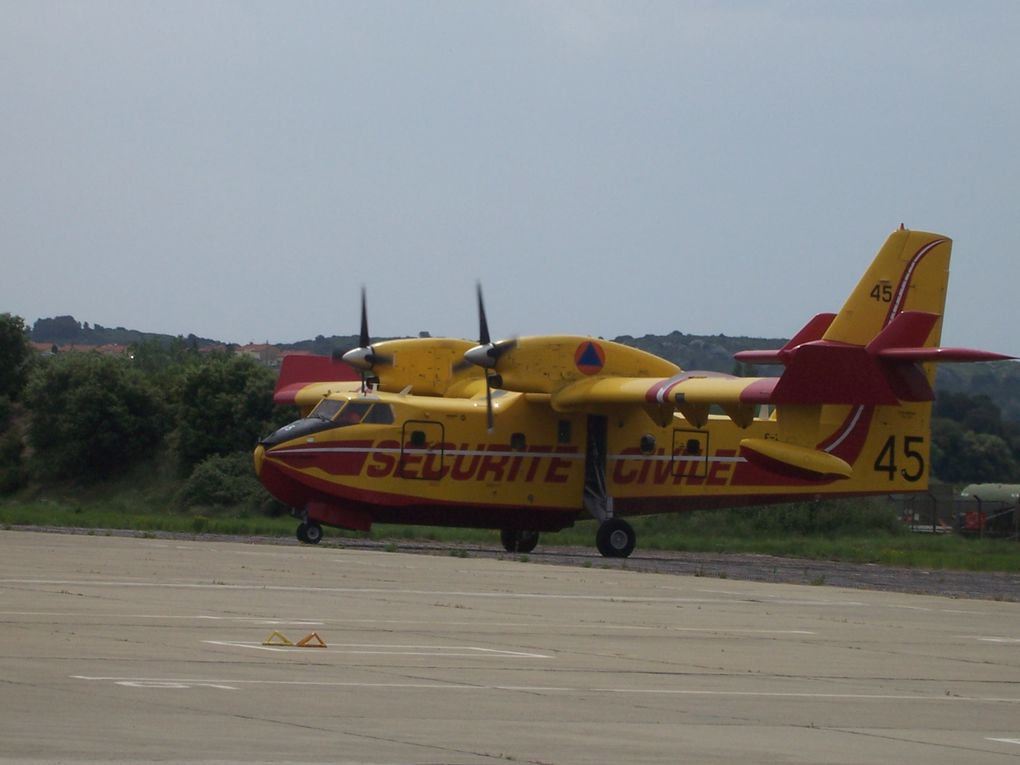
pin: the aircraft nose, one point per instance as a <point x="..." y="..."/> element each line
<point x="260" y="456"/>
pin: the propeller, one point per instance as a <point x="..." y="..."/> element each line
<point x="364" y="358"/>
<point x="486" y="355"/>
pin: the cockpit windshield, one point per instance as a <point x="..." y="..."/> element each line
<point x="327" y="409"/>
<point x="352" y="412"/>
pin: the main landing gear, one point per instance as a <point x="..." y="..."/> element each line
<point x="309" y="532"/>
<point x="615" y="538"/>
<point x="518" y="541"/>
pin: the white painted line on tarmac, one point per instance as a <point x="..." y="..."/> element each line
<point x="729" y="631"/>
<point x="991" y="639"/>
<point x="809" y="695"/>
<point x="1005" y="740"/>
<point x="460" y="651"/>
<point x="106" y="617"/>
<point x="750" y="694"/>
<point x="340" y="623"/>
<point x="431" y="593"/>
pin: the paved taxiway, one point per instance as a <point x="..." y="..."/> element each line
<point x="151" y="650"/>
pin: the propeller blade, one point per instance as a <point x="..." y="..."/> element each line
<point x="487" y="353"/>
<point x="490" y="420"/>
<point x="483" y="325"/>
<point x="459" y="366"/>
<point x="363" y="339"/>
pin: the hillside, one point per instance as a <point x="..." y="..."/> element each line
<point x="66" y="330"/>
<point x="1000" y="381"/>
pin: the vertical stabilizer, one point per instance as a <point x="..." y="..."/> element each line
<point x="910" y="273"/>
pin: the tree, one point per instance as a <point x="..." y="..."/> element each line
<point x="91" y="416"/>
<point x="60" y="329"/>
<point x="978" y="413"/>
<point x="15" y="354"/>
<point x="223" y="407"/>
<point x="961" y="455"/>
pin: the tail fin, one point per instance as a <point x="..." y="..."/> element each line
<point x="876" y="352"/>
<point x="868" y="353"/>
<point x="910" y="273"/>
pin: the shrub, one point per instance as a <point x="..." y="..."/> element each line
<point x="91" y="416"/>
<point x="12" y="469"/>
<point x="224" y="405"/>
<point x="225" y="481"/>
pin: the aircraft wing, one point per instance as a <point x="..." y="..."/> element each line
<point x="691" y="393"/>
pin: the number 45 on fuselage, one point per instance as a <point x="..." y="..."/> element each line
<point x="531" y="434"/>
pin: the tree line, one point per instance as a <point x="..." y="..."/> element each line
<point x="972" y="442"/>
<point x="84" y="418"/>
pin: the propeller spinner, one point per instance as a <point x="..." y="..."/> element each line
<point x="486" y="355"/>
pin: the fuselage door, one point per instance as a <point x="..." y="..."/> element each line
<point x="421" y="451"/>
<point x="690" y="453"/>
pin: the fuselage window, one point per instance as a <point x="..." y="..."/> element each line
<point x="379" y="414"/>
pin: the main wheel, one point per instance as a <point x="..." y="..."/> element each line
<point x="302" y="529"/>
<point x="518" y="541"/>
<point x="615" y="538"/>
<point x="313" y="533"/>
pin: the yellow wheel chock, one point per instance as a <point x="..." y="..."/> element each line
<point x="311" y="640"/>
<point x="277" y="638"/>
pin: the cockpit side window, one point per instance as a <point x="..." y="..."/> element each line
<point x="380" y="414"/>
<point x="353" y="413"/>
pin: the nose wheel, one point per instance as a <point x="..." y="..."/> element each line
<point x="310" y="533"/>
<point x="518" y="541"/>
<point x="615" y="538"/>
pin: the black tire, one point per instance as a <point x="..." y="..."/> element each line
<point x="300" y="533"/>
<point x="313" y="533"/>
<point x="615" y="538"/>
<point x="518" y="541"/>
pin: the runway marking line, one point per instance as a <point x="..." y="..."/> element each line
<point x="175" y="617"/>
<point x="606" y="597"/>
<point x="1005" y="740"/>
<point x="991" y="639"/>
<point x="392" y="650"/>
<point x="342" y="622"/>
<point x="157" y="682"/>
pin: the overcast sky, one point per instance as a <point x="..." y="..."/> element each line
<point x="238" y="170"/>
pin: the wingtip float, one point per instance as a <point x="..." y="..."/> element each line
<point x="532" y="434"/>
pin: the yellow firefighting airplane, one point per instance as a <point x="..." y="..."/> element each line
<point x="531" y="434"/>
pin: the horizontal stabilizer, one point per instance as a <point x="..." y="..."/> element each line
<point x="794" y="461"/>
<point x="909" y="329"/>
<point x="941" y="354"/>
<point x="883" y="372"/>
<point x="813" y="330"/>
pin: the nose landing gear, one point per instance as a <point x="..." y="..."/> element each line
<point x="518" y="541"/>
<point x="309" y="532"/>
